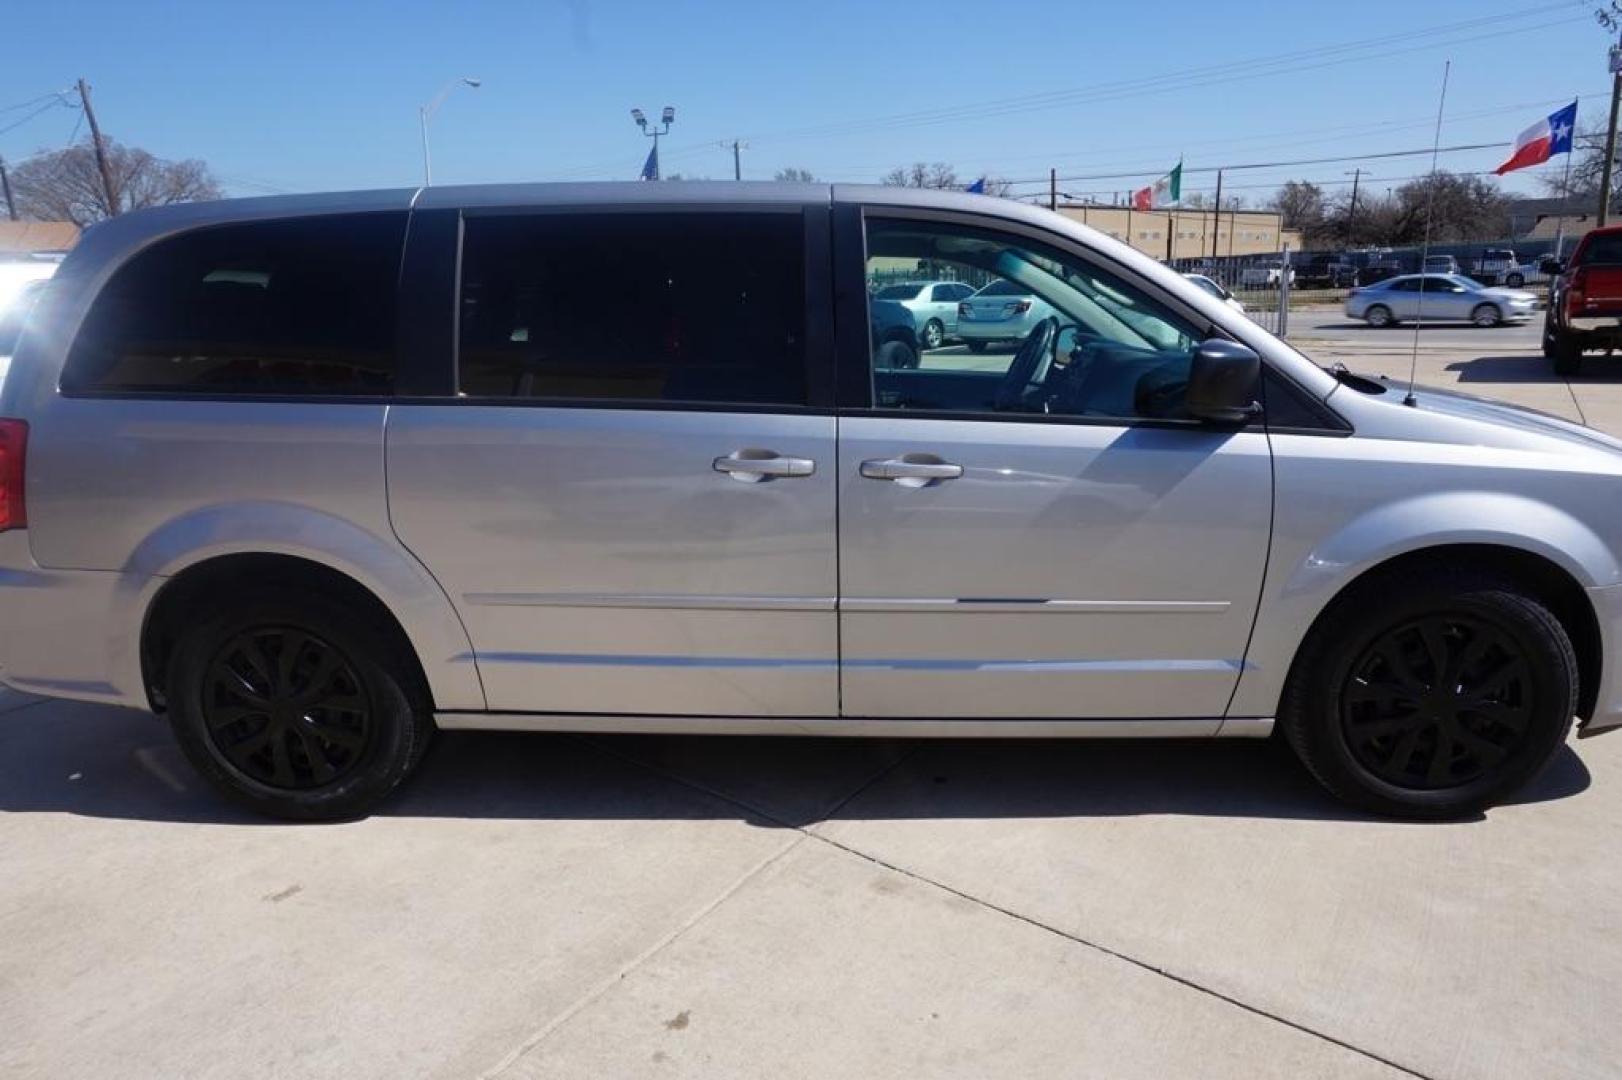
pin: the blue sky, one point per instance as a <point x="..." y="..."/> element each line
<point x="302" y="96"/>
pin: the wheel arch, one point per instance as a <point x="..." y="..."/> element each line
<point x="1542" y="577"/>
<point x="215" y="547"/>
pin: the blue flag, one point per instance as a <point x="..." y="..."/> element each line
<point x="650" y="169"/>
<point x="978" y="187"/>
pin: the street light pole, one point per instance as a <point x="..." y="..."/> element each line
<point x="426" y="113"/>
<point x="667" y="117"/>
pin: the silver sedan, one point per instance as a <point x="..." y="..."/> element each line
<point x="1438" y="298"/>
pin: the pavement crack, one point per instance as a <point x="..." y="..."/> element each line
<point x="805" y="832"/>
<point x="541" y="1034"/>
<point x="1116" y="954"/>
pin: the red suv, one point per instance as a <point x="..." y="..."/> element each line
<point x="1585" y="301"/>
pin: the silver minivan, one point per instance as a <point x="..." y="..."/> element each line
<point x="316" y="476"/>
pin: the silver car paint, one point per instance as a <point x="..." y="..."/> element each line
<point x="602" y="564"/>
<point x="1408" y="478"/>
<point x="1439" y="306"/>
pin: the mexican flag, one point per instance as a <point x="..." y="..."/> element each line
<point x="1168" y="189"/>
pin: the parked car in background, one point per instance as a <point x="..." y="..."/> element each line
<point x="1217" y="291"/>
<point x="315" y="477"/>
<point x="895" y="337"/>
<point x="1001" y="313"/>
<point x="1498" y="266"/>
<point x="1441" y="264"/>
<point x="1438" y="298"/>
<point x="1585" y="301"/>
<point x="1264" y="275"/>
<point x="933" y="305"/>
<point x="1325" y="272"/>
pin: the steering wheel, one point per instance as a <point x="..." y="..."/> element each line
<point x="1022" y="371"/>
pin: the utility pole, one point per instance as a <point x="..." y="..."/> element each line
<point x="1053" y="189"/>
<point x="737" y="159"/>
<point x="1351" y="211"/>
<point x="101" y="151"/>
<point x="1216" y="216"/>
<point x="5" y="185"/>
<point x="1611" y="20"/>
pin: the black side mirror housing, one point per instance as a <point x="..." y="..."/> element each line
<point x="1222" y="382"/>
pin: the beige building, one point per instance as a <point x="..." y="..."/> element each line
<point x="1190" y="233"/>
<point x="31" y="237"/>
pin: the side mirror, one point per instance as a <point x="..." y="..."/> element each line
<point x="1553" y="267"/>
<point x="1222" y="382"/>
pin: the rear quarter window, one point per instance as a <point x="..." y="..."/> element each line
<point x="299" y="307"/>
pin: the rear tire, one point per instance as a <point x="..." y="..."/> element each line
<point x="1515" y="281"/>
<point x="1566" y="354"/>
<point x="1379" y="317"/>
<point x="1431" y="693"/>
<point x="297" y="707"/>
<point x="896" y="356"/>
<point x="933" y="335"/>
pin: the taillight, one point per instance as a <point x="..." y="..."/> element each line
<point x="13" y="448"/>
<point x="1576" y="295"/>
<point x="963" y="308"/>
<point x="1019" y="307"/>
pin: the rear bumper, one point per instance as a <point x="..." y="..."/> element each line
<point x="70" y="633"/>
<point x="1008" y="330"/>
<point x="1588" y="324"/>
<point x="1607" y="716"/>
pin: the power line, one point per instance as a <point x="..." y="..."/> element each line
<point x="60" y="95"/>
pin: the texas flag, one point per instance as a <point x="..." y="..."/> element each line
<point x="1543" y="140"/>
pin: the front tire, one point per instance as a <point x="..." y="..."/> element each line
<point x="297" y="708"/>
<point x="1486" y="315"/>
<point x="1515" y="281"/>
<point x="1431" y="694"/>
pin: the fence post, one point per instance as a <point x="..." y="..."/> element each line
<point x="1284" y="293"/>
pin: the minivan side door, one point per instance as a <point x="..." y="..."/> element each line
<point x="1041" y="532"/>
<point x="626" y="482"/>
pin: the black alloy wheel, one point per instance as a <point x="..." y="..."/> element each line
<point x="1437" y="702"/>
<point x="286" y="709"/>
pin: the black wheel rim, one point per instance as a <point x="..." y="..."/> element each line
<point x="286" y="709"/>
<point x="1439" y="702"/>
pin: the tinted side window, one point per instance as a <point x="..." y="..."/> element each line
<point x="303" y="306"/>
<point x="690" y="307"/>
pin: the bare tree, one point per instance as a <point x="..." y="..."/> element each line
<point x="1301" y="205"/>
<point x="66" y="186"/>
<point x="793" y="175"/>
<point x="1587" y="163"/>
<point x="921" y="175"/>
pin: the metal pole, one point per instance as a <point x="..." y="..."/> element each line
<point x="1560" y="213"/>
<point x="107" y="172"/>
<point x="427" y="165"/>
<point x="5" y="184"/>
<point x="1284" y="293"/>
<point x="737" y="162"/>
<point x="1351" y="211"/>
<point x="1053" y="189"/>
<point x="656" y="155"/>
<point x="1216" y="216"/>
<point x="1610" y="146"/>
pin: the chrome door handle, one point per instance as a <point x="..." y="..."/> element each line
<point x="919" y="469"/>
<point x="753" y="466"/>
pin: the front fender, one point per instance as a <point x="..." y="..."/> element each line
<point x="1305" y="574"/>
<point x="380" y="564"/>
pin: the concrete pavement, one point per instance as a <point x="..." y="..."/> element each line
<point x="627" y="906"/>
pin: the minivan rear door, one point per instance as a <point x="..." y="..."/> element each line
<point x="625" y="481"/>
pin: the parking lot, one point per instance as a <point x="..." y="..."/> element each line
<point x="625" y="906"/>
